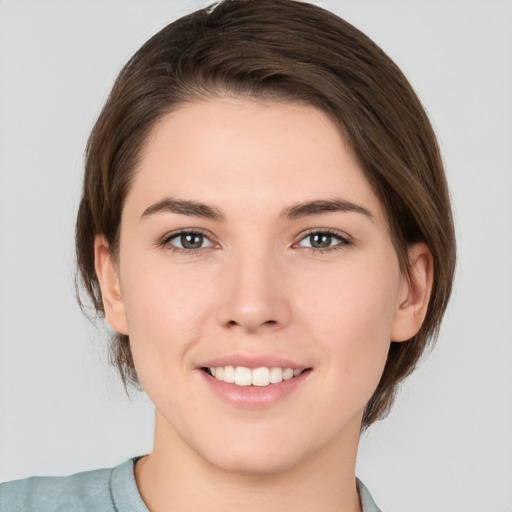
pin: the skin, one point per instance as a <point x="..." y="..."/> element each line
<point x="256" y="287"/>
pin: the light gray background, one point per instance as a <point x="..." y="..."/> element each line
<point x="447" y="445"/>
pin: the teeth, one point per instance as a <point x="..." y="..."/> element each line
<point x="229" y="374"/>
<point x="276" y="375"/>
<point x="242" y="376"/>
<point x="261" y="377"/>
<point x="287" y="374"/>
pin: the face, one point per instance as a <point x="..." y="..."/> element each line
<point x="253" y="249"/>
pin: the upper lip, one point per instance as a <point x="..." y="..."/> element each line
<point x="252" y="362"/>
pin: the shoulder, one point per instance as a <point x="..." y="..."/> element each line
<point x="90" y="491"/>
<point x="83" y="491"/>
<point x="367" y="503"/>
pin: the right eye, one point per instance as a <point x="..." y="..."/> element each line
<point x="188" y="241"/>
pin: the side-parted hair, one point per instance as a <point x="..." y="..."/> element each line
<point x="279" y="50"/>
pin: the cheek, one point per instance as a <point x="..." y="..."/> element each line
<point x="357" y="297"/>
<point x="350" y="315"/>
<point x="165" y="315"/>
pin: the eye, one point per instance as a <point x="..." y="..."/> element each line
<point x="324" y="240"/>
<point x="188" y="241"/>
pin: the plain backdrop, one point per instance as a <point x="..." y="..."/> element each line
<point x="447" y="445"/>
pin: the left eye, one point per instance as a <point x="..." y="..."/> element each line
<point x="322" y="240"/>
<point x="189" y="240"/>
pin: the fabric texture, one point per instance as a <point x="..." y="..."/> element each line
<point x="102" y="490"/>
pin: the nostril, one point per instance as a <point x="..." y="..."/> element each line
<point x="268" y="323"/>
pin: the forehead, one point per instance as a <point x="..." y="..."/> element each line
<point x="243" y="152"/>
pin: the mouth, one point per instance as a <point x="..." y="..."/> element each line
<point x="257" y="377"/>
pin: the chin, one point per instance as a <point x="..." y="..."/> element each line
<point x="264" y="451"/>
<point x="255" y="463"/>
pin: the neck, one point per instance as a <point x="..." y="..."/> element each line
<point x="174" y="477"/>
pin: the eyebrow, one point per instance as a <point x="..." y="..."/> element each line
<point x="319" y="207"/>
<point x="183" y="207"/>
<point x="295" y="211"/>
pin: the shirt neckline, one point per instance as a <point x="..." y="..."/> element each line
<point x="126" y="496"/>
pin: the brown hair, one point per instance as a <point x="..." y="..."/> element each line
<point x="291" y="51"/>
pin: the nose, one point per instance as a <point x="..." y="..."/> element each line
<point x="254" y="298"/>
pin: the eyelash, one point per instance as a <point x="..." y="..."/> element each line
<point x="166" y="242"/>
<point x="343" y="241"/>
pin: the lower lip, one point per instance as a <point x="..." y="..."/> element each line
<point x="254" y="397"/>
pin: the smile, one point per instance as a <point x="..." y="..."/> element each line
<point x="261" y="377"/>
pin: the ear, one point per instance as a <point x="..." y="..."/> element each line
<point x="108" y="277"/>
<point x="414" y="295"/>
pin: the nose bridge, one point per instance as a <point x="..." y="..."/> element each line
<point x="254" y="295"/>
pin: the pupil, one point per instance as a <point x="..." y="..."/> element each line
<point x="192" y="241"/>
<point x="320" y="241"/>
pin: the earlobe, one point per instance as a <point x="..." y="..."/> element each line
<point x="413" y="300"/>
<point x="108" y="278"/>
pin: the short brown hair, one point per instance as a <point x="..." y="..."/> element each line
<point x="287" y="51"/>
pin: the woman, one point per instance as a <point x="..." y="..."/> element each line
<point x="265" y="223"/>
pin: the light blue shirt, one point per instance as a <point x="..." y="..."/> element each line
<point x="102" y="490"/>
